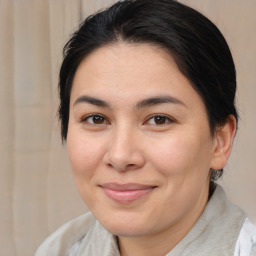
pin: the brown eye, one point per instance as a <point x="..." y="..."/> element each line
<point x="95" y="119"/>
<point x="98" y="119"/>
<point x="159" y="120"/>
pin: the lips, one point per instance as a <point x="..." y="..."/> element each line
<point x="126" y="193"/>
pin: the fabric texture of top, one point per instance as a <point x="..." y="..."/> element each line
<point x="246" y="243"/>
<point x="221" y="230"/>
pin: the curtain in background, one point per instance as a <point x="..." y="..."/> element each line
<point x="36" y="188"/>
<point x="37" y="193"/>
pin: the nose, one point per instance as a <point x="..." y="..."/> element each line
<point x="124" y="151"/>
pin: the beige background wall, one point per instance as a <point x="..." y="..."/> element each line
<point x="37" y="193"/>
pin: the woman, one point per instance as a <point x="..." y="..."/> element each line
<point x="147" y="93"/>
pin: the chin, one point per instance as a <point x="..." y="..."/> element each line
<point x="126" y="231"/>
<point x="126" y="227"/>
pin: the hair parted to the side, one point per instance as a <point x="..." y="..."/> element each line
<point x="195" y="43"/>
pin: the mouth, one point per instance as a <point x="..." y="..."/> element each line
<point x="126" y="193"/>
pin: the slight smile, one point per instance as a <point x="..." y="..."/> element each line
<point x="126" y="193"/>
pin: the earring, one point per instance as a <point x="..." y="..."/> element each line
<point x="216" y="174"/>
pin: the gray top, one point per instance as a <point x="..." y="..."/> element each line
<point x="215" y="234"/>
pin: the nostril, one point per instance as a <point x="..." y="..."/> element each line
<point x="123" y="168"/>
<point x="109" y="165"/>
<point x="130" y="167"/>
<point x="122" y="160"/>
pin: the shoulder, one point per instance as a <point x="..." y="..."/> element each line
<point x="61" y="241"/>
<point x="246" y="243"/>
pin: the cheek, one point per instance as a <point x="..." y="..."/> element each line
<point x="84" y="156"/>
<point x="181" y="155"/>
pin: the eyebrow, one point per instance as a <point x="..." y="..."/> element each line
<point x="141" y="104"/>
<point x="159" y="100"/>
<point x="91" y="100"/>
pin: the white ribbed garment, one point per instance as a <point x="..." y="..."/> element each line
<point x="246" y="243"/>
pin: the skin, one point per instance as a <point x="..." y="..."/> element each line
<point x="115" y="138"/>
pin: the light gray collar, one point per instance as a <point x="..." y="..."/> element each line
<point x="215" y="232"/>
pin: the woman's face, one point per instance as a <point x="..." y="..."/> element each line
<point x="139" y="141"/>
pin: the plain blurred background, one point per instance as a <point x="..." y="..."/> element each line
<point x="37" y="193"/>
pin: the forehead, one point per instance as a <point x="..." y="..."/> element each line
<point x="120" y="58"/>
<point x="131" y="70"/>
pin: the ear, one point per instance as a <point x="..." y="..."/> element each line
<point x="224" y="136"/>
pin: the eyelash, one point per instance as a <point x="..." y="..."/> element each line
<point x="165" y="118"/>
<point x="85" y="119"/>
